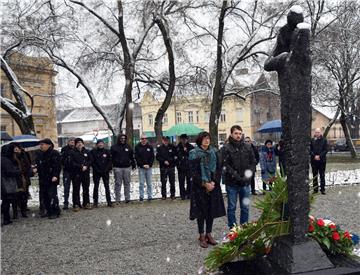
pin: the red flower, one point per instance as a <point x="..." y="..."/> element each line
<point x="311" y="218"/>
<point x="335" y="236"/>
<point x="332" y="226"/>
<point x="232" y="236"/>
<point x="311" y="228"/>
<point x="347" y="235"/>
<point x="320" y="222"/>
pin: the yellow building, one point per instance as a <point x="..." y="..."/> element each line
<point x="196" y="110"/>
<point x="36" y="75"/>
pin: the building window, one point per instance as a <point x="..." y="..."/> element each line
<point x="178" y="117"/>
<point x="222" y="117"/>
<point x="239" y="116"/>
<point x="3" y="128"/>
<point x="190" y="117"/>
<point x="222" y="137"/>
<point x="165" y="119"/>
<point x="150" y="119"/>
<point x="334" y="132"/>
<point x="207" y="117"/>
<point x="197" y="116"/>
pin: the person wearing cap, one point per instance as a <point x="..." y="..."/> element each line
<point x="66" y="163"/>
<point x="80" y="162"/>
<point x="167" y="157"/>
<point x="267" y="163"/>
<point x="101" y="164"/>
<point x="144" y="155"/>
<point x="48" y="167"/>
<point x="183" y="149"/>
<point x="123" y="161"/>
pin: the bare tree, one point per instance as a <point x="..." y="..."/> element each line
<point x="341" y="60"/>
<point x="18" y="109"/>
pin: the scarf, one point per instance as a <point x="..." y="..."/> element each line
<point x="208" y="161"/>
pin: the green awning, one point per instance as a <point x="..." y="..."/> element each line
<point x="184" y="128"/>
<point x="151" y="134"/>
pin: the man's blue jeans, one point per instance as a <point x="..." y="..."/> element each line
<point x="233" y="192"/>
<point x="145" y="174"/>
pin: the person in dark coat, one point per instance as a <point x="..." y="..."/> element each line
<point x="318" y="151"/>
<point x="80" y="162"/>
<point x="101" y="164"/>
<point x="257" y="158"/>
<point x="48" y="167"/>
<point x="238" y="161"/>
<point x="66" y="163"/>
<point x="24" y="163"/>
<point x="206" y="200"/>
<point x="267" y="163"/>
<point x="166" y="155"/>
<point x="144" y="155"/>
<point x="10" y="177"/>
<point x="183" y="149"/>
<point x="123" y="161"/>
<point x="280" y="152"/>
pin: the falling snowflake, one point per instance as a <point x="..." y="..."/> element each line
<point x="358" y="194"/>
<point x="178" y="246"/>
<point x="340" y="192"/>
<point x="131" y="217"/>
<point x="164" y="214"/>
<point x="168" y="259"/>
<point x="248" y="173"/>
<point x="246" y="201"/>
<point x="201" y="270"/>
<point x="33" y="215"/>
<point x="108" y="222"/>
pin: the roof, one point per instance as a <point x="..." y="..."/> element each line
<point x="329" y="112"/>
<point x="91" y="114"/>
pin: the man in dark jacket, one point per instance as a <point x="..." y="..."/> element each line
<point x="257" y="158"/>
<point x="183" y="149"/>
<point x="166" y="155"/>
<point x="48" y="167"/>
<point x="280" y="152"/>
<point x="123" y="161"/>
<point x="80" y="162"/>
<point x="144" y="155"/>
<point x="318" y="151"/>
<point x="102" y="164"/>
<point x="239" y="161"/>
<point x="66" y="163"/>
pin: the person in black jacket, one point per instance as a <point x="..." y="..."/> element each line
<point x="280" y="152"/>
<point x="257" y="158"/>
<point x="123" y="161"/>
<point x="10" y="177"/>
<point x="101" y="164"/>
<point x="48" y="167"/>
<point x="144" y="155"/>
<point x="318" y="151"/>
<point x="239" y="161"/>
<point x="166" y="155"/>
<point x="183" y="149"/>
<point x="80" y="162"/>
<point x="66" y="163"/>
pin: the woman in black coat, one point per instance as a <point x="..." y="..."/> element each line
<point x="206" y="198"/>
<point x="10" y="177"/>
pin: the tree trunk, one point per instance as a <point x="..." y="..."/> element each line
<point x="163" y="26"/>
<point x="349" y="141"/>
<point x="218" y="91"/>
<point x="331" y="123"/>
<point x="26" y="124"/>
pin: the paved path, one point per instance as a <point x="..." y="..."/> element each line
<point x="148" y="238"/>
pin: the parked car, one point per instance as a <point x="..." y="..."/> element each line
<point x="341" y="145"/>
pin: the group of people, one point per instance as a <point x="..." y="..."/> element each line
<point x="200" y="171"/>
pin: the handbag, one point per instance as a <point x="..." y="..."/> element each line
<point x="8" y="185"/>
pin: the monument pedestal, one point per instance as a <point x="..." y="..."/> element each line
<point x="296" y="258"/>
